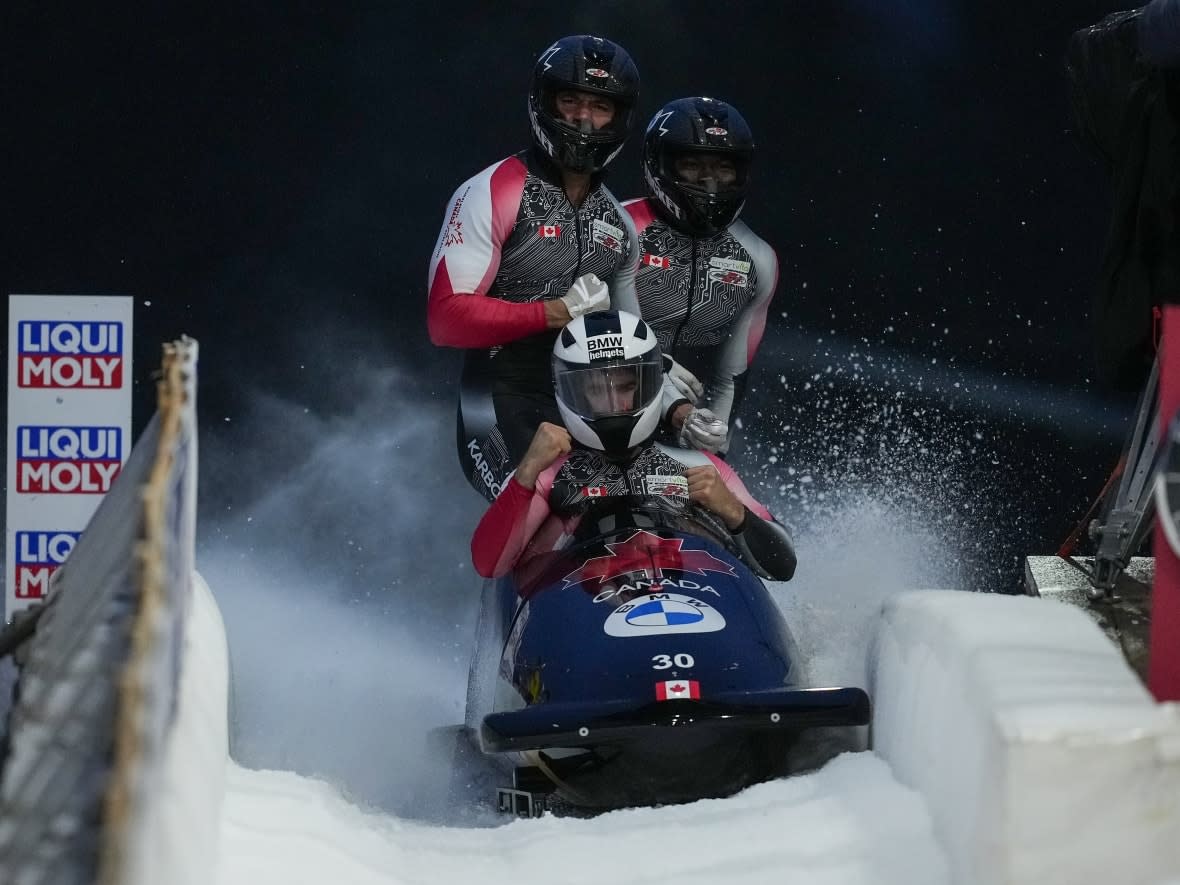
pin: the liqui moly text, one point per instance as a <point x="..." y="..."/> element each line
<point x="38" y="554"/>
<point x="70" y="354"/>
<point x="67" y="460"/>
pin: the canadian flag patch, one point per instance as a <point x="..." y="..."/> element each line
<point x="549" y="231"/>
<point x="677" y="689"/>
<point x="657" y="260"/>
<point x="594" y="491"/>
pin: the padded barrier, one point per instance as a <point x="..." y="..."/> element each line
<point x="1041" y="756"/>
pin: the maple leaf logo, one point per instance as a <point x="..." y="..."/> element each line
<point x="649" y="554"/>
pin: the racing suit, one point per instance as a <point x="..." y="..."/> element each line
<point x="512" y="240"/>
<point x="707" y="298"/>
<point x="523" y="523"/>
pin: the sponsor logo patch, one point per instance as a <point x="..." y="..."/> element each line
<point x="666" y="486"/>
<point x="597" y="72"/>
<point x="717" y="130"/>
<point x="604" y="347"/>
<point x="728" y="277"/>
<point x="730" y="264"/>
<point x="454" y="232"/>
<point x="482" y="467"/>
<point x="606" y="234"/>
<point x="67" y="460"/>
<point x="54" y="354"/>
<point x="38" y="555"/>
<point x="663" y="614"/>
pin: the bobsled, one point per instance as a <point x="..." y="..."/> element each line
<point x="642" y="664"/>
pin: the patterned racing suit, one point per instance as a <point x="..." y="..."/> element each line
<point x="707" y="298"/>
<point x="524" y="523"/>
<point x="512" y="240"/>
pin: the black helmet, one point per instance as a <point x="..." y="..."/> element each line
<point x="607" y="377"/>
<point x="697" y="126"/>
<point x="589" y="64"/>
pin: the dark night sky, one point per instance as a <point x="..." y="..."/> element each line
<point x="273" y="182"/>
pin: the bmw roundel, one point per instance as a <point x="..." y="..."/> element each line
<point x="662" y="614"/>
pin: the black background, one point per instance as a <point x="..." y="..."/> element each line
<point x="271" y="181"/>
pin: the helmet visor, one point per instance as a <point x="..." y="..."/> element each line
<point x="707" y="172"/>
<point x="604" y="391"/>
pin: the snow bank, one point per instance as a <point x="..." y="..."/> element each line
<point x="180" y="840"/>
<point x="1041" y="756"/>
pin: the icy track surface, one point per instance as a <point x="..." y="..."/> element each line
<point x="850" y="823"/>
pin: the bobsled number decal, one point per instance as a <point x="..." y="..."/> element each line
<point x="666" y="662"/>
<point x="663" y="613"/>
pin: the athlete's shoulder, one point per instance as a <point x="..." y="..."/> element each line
<point x="761" y="251"/>
<point x="642" y="212"/>
<point x="508" y="170"/>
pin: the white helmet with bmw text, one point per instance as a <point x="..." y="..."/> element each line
<point x="607" y="377"/>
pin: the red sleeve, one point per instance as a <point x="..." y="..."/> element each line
<point x="641" y="212"/>
<point x="510" y="523"/>
<point x="479" y="219"/>
<point x="500" y="527"/>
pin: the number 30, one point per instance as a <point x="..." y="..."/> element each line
<point x="664" y="662"/>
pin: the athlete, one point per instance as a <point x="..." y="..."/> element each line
<point x="705" y="279"/>
<point x="530" y="243"/>
<point x="607" y="369"/>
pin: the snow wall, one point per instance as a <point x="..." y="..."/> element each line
<point x="1040" y="756"/>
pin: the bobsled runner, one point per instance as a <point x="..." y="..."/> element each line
<point x="643" y="664"/>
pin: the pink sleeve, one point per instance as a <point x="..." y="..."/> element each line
<point x="734" y="483"/>
<point x="510" y="523"/>
<point x="480" y="217"/>
<point x="641" y="213"/>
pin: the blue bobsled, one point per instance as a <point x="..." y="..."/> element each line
<point x="643" y="664"/>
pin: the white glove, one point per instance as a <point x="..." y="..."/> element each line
<point x="586" y="295"/>
<point x="703" y="430"/>
<point x="684" y="381"/>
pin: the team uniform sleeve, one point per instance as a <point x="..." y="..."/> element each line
<point x="748" y="328"/>
<point x="479" y="218"/>
<point x="509" y="524"/>
<point x="623" y="293"/>
<point x="765" y="544"/>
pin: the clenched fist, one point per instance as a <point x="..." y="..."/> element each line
<point x="705" y="487"/>
<point x="550" y="442"/>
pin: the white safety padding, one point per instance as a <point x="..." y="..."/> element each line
<point x="1041" y="756"/>
<point x="183" y="818"/>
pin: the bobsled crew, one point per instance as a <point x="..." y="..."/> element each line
<point x="628" y="652"/>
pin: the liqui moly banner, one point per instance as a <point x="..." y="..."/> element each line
<point x="69" y="427"/>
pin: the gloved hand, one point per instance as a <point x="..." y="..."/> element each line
<point x="684" y="381"/>
<point x="586" y="295"/>
<point x="703" y="430"/>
